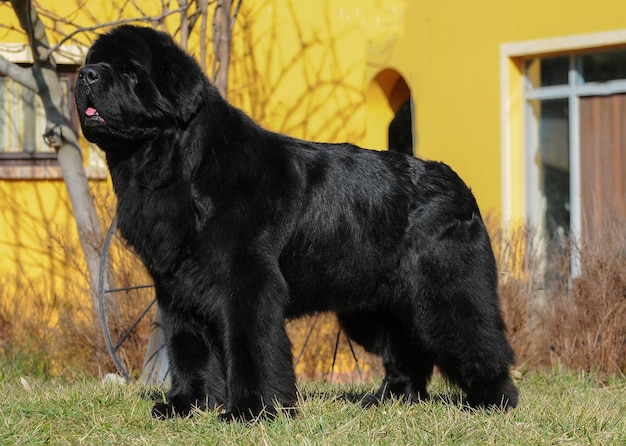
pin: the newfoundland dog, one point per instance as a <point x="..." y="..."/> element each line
<point x="242" y="228"/>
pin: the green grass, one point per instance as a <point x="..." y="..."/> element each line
<point x="556" y="407"/>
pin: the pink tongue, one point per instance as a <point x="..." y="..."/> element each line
<point x="91" y="111"/>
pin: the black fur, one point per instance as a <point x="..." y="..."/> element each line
<point x="241" y="228"/>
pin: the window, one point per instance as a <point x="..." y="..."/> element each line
<point x="575" y="142"/>
<point x="23" y="122"/>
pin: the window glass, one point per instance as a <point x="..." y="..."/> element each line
<point x="22" y="119"/>
<point x="548" y="71"/>
<point x="550" y="123"/>
<point x="603" y="66"/>
<point x="554" y="164"/>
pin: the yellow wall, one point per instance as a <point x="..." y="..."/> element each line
<point x="311" y="69"/>
<point x="33" y="214"/>
<point x="298" y="67"/>
<point x="449" y="52"/>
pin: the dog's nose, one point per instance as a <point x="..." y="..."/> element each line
<point x="89" y="75"/>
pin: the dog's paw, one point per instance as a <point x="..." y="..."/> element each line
<point x="162" y="411"/>
<point x="384" y="394"/>
<point x="248" y="416"/>
<point x="370" y="400"/>
<point x="499" y="396"/>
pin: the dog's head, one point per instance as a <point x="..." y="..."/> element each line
<point x="136" y="83"/>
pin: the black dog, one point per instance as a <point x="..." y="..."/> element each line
<point x="241" y="228"/>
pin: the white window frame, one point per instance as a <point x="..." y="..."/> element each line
<point x="533" y="206"/>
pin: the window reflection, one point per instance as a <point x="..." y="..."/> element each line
<point x="603" y="67"/>
<point x="554" y="166"/>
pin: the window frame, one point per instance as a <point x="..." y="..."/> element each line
<point x="16" y="158"/>
<point x="518" y="169"/>
<point x="573" y="91"/>
<point x="45" y="165"/>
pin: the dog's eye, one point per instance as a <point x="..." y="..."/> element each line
<point x="132" y="78"/>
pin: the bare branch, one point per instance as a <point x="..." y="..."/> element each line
<point x="235" y="14"/>
<point x="146" y="19"/>
<point x="21" y="75"/>
<point x="184" y="22"/>
<point x="35" y="30"/>
<point x="221" y="43"/>
<point x="203" y="9"/>
<point x="223" y="24"/>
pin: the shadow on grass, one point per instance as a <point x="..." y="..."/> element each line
<point x="357" y="395"/>
<point x="310" y="394"/>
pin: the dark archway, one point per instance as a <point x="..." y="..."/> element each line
<point x="400" y="134"/>
<point x="401" y="129"/>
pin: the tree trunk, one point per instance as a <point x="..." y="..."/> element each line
<point x="221" y="44"/>
<point x="62" y="137"/>
<point x="155" y="368"/>
<point x="184" y="23"/>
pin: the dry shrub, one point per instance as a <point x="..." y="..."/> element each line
<point x="587" y="318"/>
<point x="577" y="320"/>
<point x="318" y="341"/>
<point x="551" y="316"/>
<point x="51" y="327"/>
<point x="25" y="335"/>
<point x="47" y="334"/>
<point x="516" y="256"/>
<point x="50" y="330"/>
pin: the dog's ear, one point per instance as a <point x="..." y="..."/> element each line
<point x="174" y="71"/>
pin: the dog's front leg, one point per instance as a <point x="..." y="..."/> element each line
<point x="196" y="368"/>
<point x="259" y="369"/>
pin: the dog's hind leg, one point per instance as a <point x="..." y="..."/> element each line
<point x="408" y="368"/>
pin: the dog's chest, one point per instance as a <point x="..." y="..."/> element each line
<point x="155" y="222"/>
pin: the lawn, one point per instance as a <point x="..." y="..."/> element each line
<point x="556" y="407"/>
